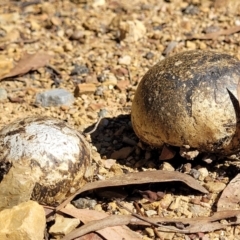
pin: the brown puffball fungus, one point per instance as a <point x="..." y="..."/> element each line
<point x="42" y="159"/>
<point x="190" y="99"/>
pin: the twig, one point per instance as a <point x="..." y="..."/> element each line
<point x="95" y="127"/>
<point x="129" y="75"/>
<point x="138" y="208"/>
<point x="57" y="72"/>
<point x="142" y="218"/>
<point x="157" y="233"/>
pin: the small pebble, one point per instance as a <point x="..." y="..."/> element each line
<point x="191" y="10"/>
<point x="126" y="60"/>
<point x="101" y="78"/>
<point x="83" y="203"/>
<point x="97" y="3"/>
<point x="103" y="113"/>
<point x="79" y="69"/>
<point x="203" y="173"/>
<point x="194" y="173"/>
<point x="149" y="55"/>
<point x="166" y="201"/>
<point x="55" y="97"/>
<point x="150" y="213"/>
<point x="187" y="167"/>
<point x="167" y="167"/>
<point x="214" y="187"/>
<point x="3" y="94"/>
<point x="150" y="232"/>
<point x="99" y="91"/>
<point x="76" y="35"/>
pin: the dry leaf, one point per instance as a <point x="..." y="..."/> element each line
<point x="166" y="224"/>
<point x="100" y="222"/>
<point x="167" y="153"/>
<point x="215" y="35"/>
<point x="27" y="63"/>
<point x="139" y="178"/>
<point x="230" y="197"/>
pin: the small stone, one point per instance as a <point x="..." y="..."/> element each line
<point x="83" y="203"/>
<point x="186" y="212"/>
<point x="123" y="85"/>
<point x="79" y="69"/>
<point x="150" y="232"/>
<point x="103" y="113"/>
<point x="91" y="78"/>
<point x="187" y="167"/>
<point x="116" y="169"/>
<point x="191" y="45"/>
<point x="98" y="208"/>
<point x="166" y="235"/>
<point x="101" y="78"/>
<point x="63" y="226"/>
<point x="166" y="201"/>
<point x="122" y="153"/>
<point x="76" y="35"/>
<point x="5" y="66"/>
<point x="167" y="167"/>
<point x="150" y="213"/>
<point x="146" y="238"/>
<point x="214" y="187"/>
<point x="99" y="91"/>
<point x="126" y="60"/>
<point x="191" y="10"/>
<point x="187" y="153"/>
<point x="97" y="3"/>
<point x="84" y="88"/>
<point x="203" y="173"/>
<point x="135" y="31"/>
<point x="3" y="94"/>
<point x="24" y="221"/>
<point x="149" y="55"/>
<point x="130" y="141"/>
<point x="175" y="204"/>
<point x="194" y="173"/>
<point x="55" y="97"/>
<point x="108" y="163"/>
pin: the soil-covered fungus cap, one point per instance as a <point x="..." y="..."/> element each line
<point x="41" y="158"/>
<point x="190" y="99"/>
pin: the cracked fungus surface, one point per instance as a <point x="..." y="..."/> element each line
<point x="190" y="99"/>
<point x="55" y="155"/>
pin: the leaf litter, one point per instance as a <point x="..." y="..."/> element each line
<point x="92" y="41"/>
<point x="139" y="178"/>
<point x="106" y="225"/>
<point x="27" y="63"/>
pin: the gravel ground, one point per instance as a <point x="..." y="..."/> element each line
<point x="100" y="50"/>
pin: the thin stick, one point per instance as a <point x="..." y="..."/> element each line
<point x="95" y="127"/>
<point x="142" y="218"/>
<point x="129" y="75"/>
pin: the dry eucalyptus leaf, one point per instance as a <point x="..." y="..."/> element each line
<point x="215" y="35"/>
<point x="93" y="222"/>
<point x="139" y="178"/>
<point x="166" y="224"/>
<point x="28" y="62"/>
<point x="230" y="197"/>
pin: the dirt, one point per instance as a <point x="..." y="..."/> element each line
<point x="108" y="46"/>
